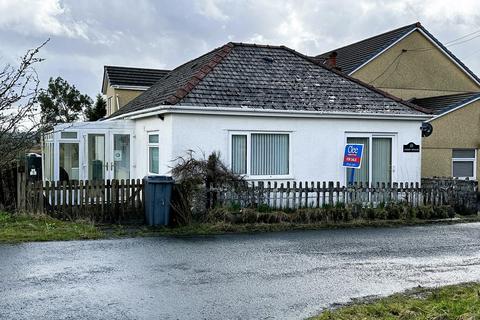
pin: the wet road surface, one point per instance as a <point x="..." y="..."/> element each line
<point x="288" y="275"/>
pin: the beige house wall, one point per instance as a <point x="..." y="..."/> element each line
<point x="122" y="96"/>
<point x="456" y="130"/>
<point x="421" y="71"/>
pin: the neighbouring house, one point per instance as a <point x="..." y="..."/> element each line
<point x="452" y="148"/>
<point x="410" y="63"/>
<point x="271" y="112"/>
<point x="122" y="84"/>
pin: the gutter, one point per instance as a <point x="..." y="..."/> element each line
<point x="161" y="110"/>
<point x="127" y="87"/>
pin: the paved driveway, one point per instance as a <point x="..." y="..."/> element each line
<point x="267" y="276"/>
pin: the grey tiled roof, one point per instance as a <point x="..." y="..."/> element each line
<point x="354" y="55"/>
<point x="265" y="77"/>
<point x="128" y="76"/>
<point x="442" y="104"/>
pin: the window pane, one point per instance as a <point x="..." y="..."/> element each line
<point x="239" y="154"/>
<point x="69" y="162"/>
<point x="96" y="156"/>
<point x="48" y="161"/>
<point x="269" y="154"/>
<point x="362" y="174"/>
<point x="381" y="160"/>
<point x="68" y="135"/>
<point x="121" y="156"/>
<point x="153" y="162"/>
<point x="463" y="169"/>
<point x="463" y="153"/>
<point x="153" y="138"/>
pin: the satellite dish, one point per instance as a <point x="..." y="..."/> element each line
<point x="427" y="129"/>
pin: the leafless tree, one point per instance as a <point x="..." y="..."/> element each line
<point x="19" y="125"/>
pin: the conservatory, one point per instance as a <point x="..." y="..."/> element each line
<point x="89" y="151"/>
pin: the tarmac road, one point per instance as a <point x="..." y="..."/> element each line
<point x="288" y="275"/>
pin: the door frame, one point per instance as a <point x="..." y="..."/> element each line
<point x="370" y="135"/>
<point x="109" y="145"/>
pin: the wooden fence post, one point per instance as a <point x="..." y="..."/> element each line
<point x="21" y="191"/>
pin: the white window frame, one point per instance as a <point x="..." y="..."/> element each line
<point x="473" y="160"/>
<point x="81" y="157"/>
<point x="370" y="136"/>
<point x="150" y="145"/>
<point x="249" y="133"/>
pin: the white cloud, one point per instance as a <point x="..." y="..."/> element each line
<point x="163" y="34"/>
<point x="211" y="9"/>
<point x="40" y="17"/>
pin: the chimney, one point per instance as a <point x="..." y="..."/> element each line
<point x="331" y="61"/>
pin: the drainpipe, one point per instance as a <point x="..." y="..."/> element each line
<point x="118" y="103"/>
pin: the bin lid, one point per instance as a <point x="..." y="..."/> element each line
<point x="159" y="179"/>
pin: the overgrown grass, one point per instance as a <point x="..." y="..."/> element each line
<point x="461" y="302"/>
<point x="21" y="228"/>
<point x="217" y="228"/>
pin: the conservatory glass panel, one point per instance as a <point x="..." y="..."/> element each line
<point x="121" y="156"/>
<point x="96" y="156"/>
<point x="69" y="162"/>
<point x="48" y="161"/>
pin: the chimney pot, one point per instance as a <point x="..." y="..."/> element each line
<point x="332" y="60"/>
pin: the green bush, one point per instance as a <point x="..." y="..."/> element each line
<point x="380" y="214"/>
<point x="463" y="210"/>
<point x="425" y="212"/>
<point x="329" y="214"/>
<point x="217" y="214"/>
<point x="249" y="215"/>
<point x="264" y="208"/>
<point x="411" y="213"/>
<point x="368" y="213"/>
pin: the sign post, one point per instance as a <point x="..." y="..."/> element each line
<point x="352" y="158"/>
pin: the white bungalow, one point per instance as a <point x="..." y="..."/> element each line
<point x="271" y="112"/>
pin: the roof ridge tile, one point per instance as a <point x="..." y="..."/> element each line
<point x="193" y="81"/>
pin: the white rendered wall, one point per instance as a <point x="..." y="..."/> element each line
<point x="316" y="144"/>
<point x="142" y="128"/>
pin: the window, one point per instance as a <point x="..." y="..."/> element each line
<point x="48" y="161"/>
<point x="69" y="162"/>
<point x="68" y="135"/>
<point x="463" y="163"/>
<point x="109" y="105"/>
<point x="153" y="153"/>
<point x="260" y="154"/>
<point x="239" y="154"/>
<point x="96" y="157"/>
<point x="376" y="166"/>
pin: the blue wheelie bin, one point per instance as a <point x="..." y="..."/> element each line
<point x="158" y="193"/>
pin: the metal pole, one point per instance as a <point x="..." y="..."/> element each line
<point x="352" y="176"/>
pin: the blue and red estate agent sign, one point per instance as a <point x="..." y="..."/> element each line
<point x="352" y="158"/>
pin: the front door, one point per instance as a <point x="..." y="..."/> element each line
<point x="97" y="161"/>
<point x="120" y="162"/>
<point x="376" y="161"/>
<point x="109" y="156"/>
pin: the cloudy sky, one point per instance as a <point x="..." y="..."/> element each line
<point x="85" y="35"/>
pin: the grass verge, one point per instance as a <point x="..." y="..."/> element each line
<point x="21" y="228"/>
<point x="206" y="229"/>
<point x="461" y="302"/>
